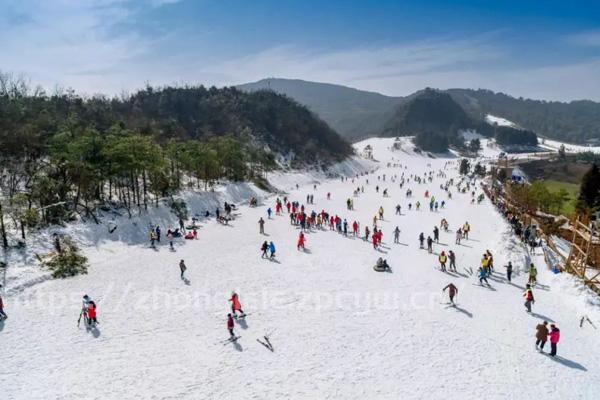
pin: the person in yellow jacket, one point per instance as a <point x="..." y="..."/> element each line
<point x="466" y="229"/>
<point x="490" y="260"/>
<point x="485" y="264"/>
<point x="152" y="237"/>
<point x="381" y="213"/>
<point x="442" y="259"/>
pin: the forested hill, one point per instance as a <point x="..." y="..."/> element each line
<point x="81" y="152"/>
<point x="575" y="122"/>
<point x="261" y="118"/>
<point x="355" y="114"/>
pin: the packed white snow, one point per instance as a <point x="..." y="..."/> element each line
<point x="339" y="329"/>
<point x="493" y="120"/>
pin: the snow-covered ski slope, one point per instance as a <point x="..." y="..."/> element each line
<point x="339" y="329"/>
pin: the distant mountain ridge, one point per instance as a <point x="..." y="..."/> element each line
<point x="357" y="114"/>
<point x="354" y="114"/>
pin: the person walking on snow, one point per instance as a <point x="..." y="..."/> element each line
<point x="483" y="276"/>
<point x="398" y="208"/>
<point x="230" y="325"/>
<point x="541" y="335"/>
<point x="91" y="313"/>
<point x="236" y="305"/>
<point x="532" y="274"/>
<point x="271" y="250"/>
<point x="301" y="241"/>
<point x="529" y="300"/>
<point x="436" y="234"/>
<point x="264" y="248"/>
<point x="466" y="229"/>
<point x="3" y="315"/>
<point x="429" y="244"/>
<point x="452" y="291"/>
<point x="261" y="226"/>
<point x="397" y="235"/>
<point x="442" y="259"/>
<point x="452" y="258"/>
<point x="459" y="235"/>
<point x="509" y="269"/>
<point x="182" y="268"/>
<point x="554" y="339"/>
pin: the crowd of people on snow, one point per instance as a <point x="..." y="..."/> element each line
<point x="311" y="221"/>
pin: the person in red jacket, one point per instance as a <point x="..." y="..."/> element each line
<point x="301" y="241"/>
<point x="91" y="313"/>
<point x="236" y="305"/>
<point x="554" y="339"/>
<point x="230" y="325"/>
<point x="452" y="291"/>
<point x="355" y="228"/>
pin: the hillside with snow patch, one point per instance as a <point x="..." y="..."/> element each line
<point x="338" y="328"/>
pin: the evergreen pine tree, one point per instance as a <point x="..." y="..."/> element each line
<point x="589" y="191"/>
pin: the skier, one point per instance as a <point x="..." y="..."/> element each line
<point x="182" y="267"/>
<point x="482" y="277"/>
<point x="397" y="235"/>
<point x="170" y="238"/>
<point x="421" y="240"/>
<point x="367" y="233"/>
<point x="301" y="241"/>
<point x="429" y="244"/>
<point x="236" y="305"/>
<point x="459" y="235"/>
<point x="436" y="234"/>
<point x="509" y="269"/>
<point x="452" y="291"/>
<point x="269" y="212"/>
<point x="452" y="258"/>
<point x="3" y="315"/>
<point x="532" y="274"/>
<point x="554" y="339"/>
<point x="157" y="230"/>
<point x="261" y="225"/>
<point x="442" y="259"/>
<point x="541" y="335"/>
<point x="529" y="300"/>
<point x="264" y="248"/>
<point x="398" y="208"/>
<point x="230" y="326"/>
<point x="272" y="250"/>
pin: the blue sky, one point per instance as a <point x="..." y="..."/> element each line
<point x="538" y="49"/>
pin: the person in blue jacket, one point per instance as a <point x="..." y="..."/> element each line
<point x="272" y="249"/>
<point x="269" y="211"/>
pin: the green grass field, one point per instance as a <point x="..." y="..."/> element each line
<point x="573" y="189"/>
